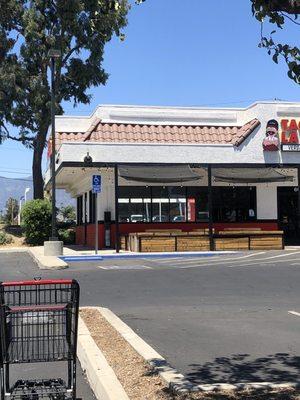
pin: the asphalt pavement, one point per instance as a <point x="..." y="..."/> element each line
<point x="19" y="266"/>
<point x="216" y="319"/>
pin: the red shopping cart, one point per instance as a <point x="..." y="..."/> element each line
<point x="38" y="323"/>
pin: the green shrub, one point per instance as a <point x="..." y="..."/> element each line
<point x="67" y="236"/>
<point x="4" y="238"/>
<point x="36" y="221"/>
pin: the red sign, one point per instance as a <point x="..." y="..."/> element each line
<point x="290" y="131"/>
<point x="290" y="135"/>
<point x="271" y="141"/>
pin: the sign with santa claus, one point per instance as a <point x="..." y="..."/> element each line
<point x="271" y="141"/>
<point x="288" y="137"/>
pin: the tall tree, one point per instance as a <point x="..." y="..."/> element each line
<point x="28" y="30"/>
<point x="279" y="13"/>
<point x="11" y="210"/>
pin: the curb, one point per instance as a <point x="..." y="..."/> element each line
<point x="173" y="378"/>
<point x="100" y="375"/>
<point x="79" y="258"/>
<point x="176" y="381"/>
<point x="14" y="250"/>
<point x="46" y="262"/>
<point x="36" y="253"/>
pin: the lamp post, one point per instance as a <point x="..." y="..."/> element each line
<point x="20" y="209"/>
<point x="25" y="194"/>
<point x="53" y="54"/>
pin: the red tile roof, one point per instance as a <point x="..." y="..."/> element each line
<point x="138" y="133"/>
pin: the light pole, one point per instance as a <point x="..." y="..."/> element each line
<point x="20" y="208"/>
<point x="25" y="194"/>
<point x="53" y="54"/>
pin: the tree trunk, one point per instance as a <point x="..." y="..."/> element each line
<point x="37" y="175"/>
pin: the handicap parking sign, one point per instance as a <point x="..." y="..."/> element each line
<point x="96" y="184"/>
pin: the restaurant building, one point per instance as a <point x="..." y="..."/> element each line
<point x="181" y="167"/>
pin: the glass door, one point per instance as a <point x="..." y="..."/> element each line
<point x="287" y="214"/>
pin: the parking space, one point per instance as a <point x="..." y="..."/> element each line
<point x="218" y="319"/>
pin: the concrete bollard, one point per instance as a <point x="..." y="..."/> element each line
<point x="53" y="248"/>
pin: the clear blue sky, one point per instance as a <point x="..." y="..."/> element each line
<point x="182" y="52"/>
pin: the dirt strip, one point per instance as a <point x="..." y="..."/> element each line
<point x="141" y="382"/>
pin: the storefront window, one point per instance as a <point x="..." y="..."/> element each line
<point x="79" y="210"/>
<point x="177" y="204"/>
<point x="234" y="204"/>
<point x="134" y="204"/>
<point x="160" y="204"/>
<point x="197" y="204"/>
<point x="186" y="204"/>
<point x="92" y="207"/>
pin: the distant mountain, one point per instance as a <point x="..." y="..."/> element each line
<point x="15" y="187"/>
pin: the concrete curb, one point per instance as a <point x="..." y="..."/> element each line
<point x="100" y="375"/>
<point x="82" y="257"/>
<point x="46" y="262"/>
<point x="37" y="253"/>
<point x="176" y="381"/>
<point x="14" y="250"/>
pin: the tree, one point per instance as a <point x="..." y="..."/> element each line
<point x="36" y="221"/>
<point x="278" y="13"/>
<point x="11" y="210"/>
<point x="68" y="213"/>
<point x="28" y="30"/>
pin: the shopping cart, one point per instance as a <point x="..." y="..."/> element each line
<point x="38" y="324"/>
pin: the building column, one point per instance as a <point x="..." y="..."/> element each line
<point x="85" y="216"/>
<point x="210" y="210"/>
<point x="117" y="239"/>
<point x="298" y="202"/>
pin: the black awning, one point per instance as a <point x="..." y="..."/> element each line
<point x="158" y="174"/>
<point x="250" y="175"/>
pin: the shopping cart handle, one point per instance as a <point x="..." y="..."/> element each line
<point x="40" y="282"/>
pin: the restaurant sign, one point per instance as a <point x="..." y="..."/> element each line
<point x="289" y="137"/>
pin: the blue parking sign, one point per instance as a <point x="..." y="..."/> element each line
<point x="96" y="184"/>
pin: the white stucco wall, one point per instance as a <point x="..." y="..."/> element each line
<point x="266" y="202"/>
<point x="249" y="152"/>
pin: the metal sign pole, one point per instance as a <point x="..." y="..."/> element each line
<point x="96" y="223"/>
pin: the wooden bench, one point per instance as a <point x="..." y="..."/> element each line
<point x="257" y="240"/>
<point x="175" y="240"/>
<point x="203" y="231"/>
<point x="167" y="242"/>
<point x="163" y="230"/>
<point x="242" y="229"/>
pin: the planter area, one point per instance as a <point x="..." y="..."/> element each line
<point x="198" y="240"/>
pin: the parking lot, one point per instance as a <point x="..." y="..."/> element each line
<point x="229" y="318"/>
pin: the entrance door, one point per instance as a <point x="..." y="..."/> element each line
<point x="287" y="214"/>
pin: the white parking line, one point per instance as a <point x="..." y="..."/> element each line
<point x="262" y="263"/>
<point x="220" y="260"/>
<point x="294" y="313"/>
<point x="124" y="267"/>
<point x="203" y="260"/>
<point x="283" y="255"/>
<point x="259" y="263"/>
<point x="162" y="260"/>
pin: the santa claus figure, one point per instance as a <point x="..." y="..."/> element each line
<point x="271" y="141"/>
